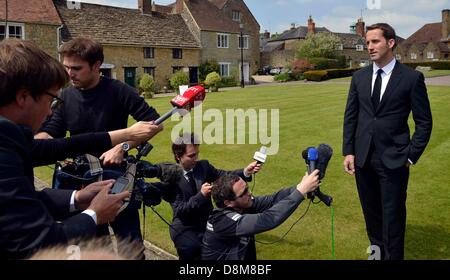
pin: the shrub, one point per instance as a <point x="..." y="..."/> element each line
<point x="322" y="63"/>
<point x="283" y="77"/>
<point x="147" y="85"/>
<point x="315" y="75"/>
<point x="206" y="68"/>
<point x="212" y="81"/>
<point x="177" y="79"/>
<point x="436" y="65"/>
<point x="229" y="81"/>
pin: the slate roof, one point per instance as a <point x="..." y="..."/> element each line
<point x="297" y="33"/>
<point x="30" y="11"/>
<point x="210" y="18"/>
<point x="350" y="40"/>
<point x="122" y="26"/>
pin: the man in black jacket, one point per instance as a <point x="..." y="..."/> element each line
<point x="239" y="216"/>
<point x="193" y="204"/>
<point x="377" y="145"/>
<point x="94" y="104"/>
<point x="29" y="84"/>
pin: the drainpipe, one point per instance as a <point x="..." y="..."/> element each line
<point x="58" y="40"/>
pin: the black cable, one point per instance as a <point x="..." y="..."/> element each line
<point x="284" y="235"/>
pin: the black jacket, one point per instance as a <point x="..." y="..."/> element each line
<point x="27" y="217"/>
<point x="230" y="235"/>
<point x="388" y="126"/>
<point x="190" y="208"/>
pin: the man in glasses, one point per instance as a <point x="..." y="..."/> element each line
<point x="95" y="103"/>
<point x="239" y="216"/>
<point x="29" y="83"/>
<point x="192" y="204"/>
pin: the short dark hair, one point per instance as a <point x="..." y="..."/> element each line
<point x="23" y="65"/>
<point x="388" y="31"/>
<point x="222" y="189"/>
<point x="83" y="47"/>
<point x="179" y="145"/>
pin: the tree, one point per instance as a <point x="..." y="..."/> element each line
<point x="322" y="44"/>
<point x="177" y="79"/>
<point x="212" y="80"/>
<point x="147" y="85"/>
<point x="208" y="67"/>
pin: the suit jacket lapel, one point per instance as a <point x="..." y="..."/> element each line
<point x="392" y="84"/>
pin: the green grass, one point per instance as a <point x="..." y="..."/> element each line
<point x="311" y="114"/>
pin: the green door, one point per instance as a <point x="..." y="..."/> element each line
<point x="130" y="76"/>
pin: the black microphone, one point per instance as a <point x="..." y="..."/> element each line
<point x="325" y="152"/>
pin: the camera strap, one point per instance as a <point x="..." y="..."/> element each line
<point x="95" y="168"/>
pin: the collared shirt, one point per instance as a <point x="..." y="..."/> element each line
<point x="385" y="76"/>
<point x="89" y="212"/>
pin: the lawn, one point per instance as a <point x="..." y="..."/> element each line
<point x="427" y="74"/>
<point x="311" y="114"/>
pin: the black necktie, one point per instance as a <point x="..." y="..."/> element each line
<point x="191" y="180"/>
<point x="377" y="90"/>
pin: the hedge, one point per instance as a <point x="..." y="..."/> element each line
<point x="435" y="65"/>
<point x="322" y="75"/>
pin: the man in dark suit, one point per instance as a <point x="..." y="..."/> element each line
<point x="193" y="204"/>
<point x="377" y="144"/>
<point x="29" y="83"/>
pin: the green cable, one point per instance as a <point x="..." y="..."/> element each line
<point x="332" y="233"/>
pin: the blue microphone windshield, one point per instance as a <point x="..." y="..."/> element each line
<point x="313" y="155"/>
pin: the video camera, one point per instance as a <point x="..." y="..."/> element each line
<point x="318" y="159"/>
<point x="77" y="174"/>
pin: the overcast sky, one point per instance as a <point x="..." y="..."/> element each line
<point x="406" y="16"/>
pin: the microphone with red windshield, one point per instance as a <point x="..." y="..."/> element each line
<point x="192" y="97"/>
<point x="188" y="100"/>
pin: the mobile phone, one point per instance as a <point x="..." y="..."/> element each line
<point x="120" y="185"/>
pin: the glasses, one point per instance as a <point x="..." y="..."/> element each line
<point x="56" y="101"/>
<point x="246" y="191"/>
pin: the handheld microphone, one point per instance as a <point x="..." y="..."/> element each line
<point x="260" y="156"/>
<point x="190" y="98"/>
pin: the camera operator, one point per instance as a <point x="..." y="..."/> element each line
<point x="29" y="84"/>
<point x="193" y="204"/>
<point x="239" y="216"/>
<point x="96" y="103"/>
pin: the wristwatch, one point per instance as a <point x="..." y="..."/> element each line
<point x="125" y="147"/>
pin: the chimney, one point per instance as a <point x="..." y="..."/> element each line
<point x="361" y="28"/>
<point x="266" y="34"/>
<point x="145" y="6"/>
<point x="311" y="25"/>
<point x="445" y="24"/>
<point x="179" y="6"/>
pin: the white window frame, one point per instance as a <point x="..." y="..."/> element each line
<point x="430" y="55"/>
<point x="360" y="48"/>
<point x="227" y="65"/>
<point x="223" y="40"/>
<point x="21" y="25"/>
<point x="234" y="13"/>
<point x="398" y="56"/>
<point x="413" y="56"/>
<point x="340" y="47"/>
<point x="245" y="40"/>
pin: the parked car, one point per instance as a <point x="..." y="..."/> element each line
<point x="264" y="71"/>
<point x="275" y="71"/>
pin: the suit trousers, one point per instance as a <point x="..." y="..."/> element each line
<point x="382" y="193"/>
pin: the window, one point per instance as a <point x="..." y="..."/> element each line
<point x="359" y="48"/>
<point x="149" y="52"/>
<point x="177" y="53"/>
<point x="13" y="31"/>
<point x="243" y="42"/>
<point x="236" y="15"/>
<point x="339" y="47"/>
<point x="430" y="55"/>
<point x="398" y="56"/>
<point x="222" y="40"/>
<point x="413" y="56"/>
<point x="176" y="68"/>
<point x="150" y="71"/>
<point x="224" y="69"/>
